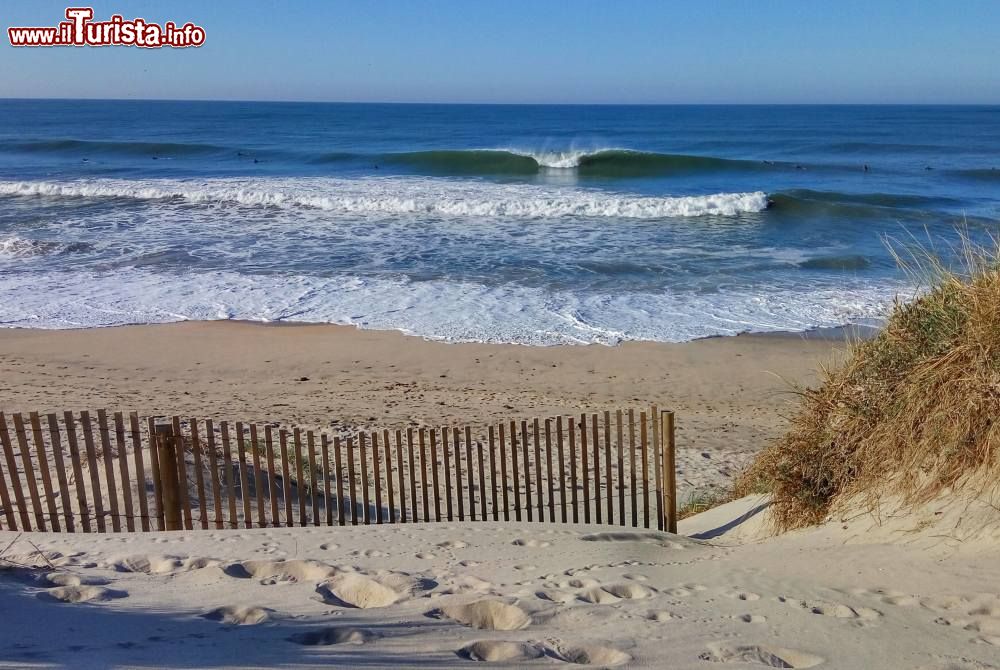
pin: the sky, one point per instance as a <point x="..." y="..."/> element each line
<point x="537" y="51"/>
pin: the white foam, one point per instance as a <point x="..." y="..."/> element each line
<point x="402" y="195"/>
<point x="440" y="309"/>
<point x="18" y="247"/>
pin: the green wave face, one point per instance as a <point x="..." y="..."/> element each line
<point x="476" y="162"/>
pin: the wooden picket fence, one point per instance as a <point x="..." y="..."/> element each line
<point x="148" y="474"/>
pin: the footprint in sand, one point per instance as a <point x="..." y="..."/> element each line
<point x="531" y="542"/>
<point x="162" y="565"/>
<point x="556" y="595"/>
<point x="598" y="596"/>
<point x="661" y="616"/>
<point x="771" y="657"/>
<point x="743" y="595"/>
<point x="329" y="546"/>
<point x="452" y="544"/>
<point x="486" y="615"/>
<point x="751" y="618"/>
<point x="334" y="635"/>
<point x="239" y="616"/>
<point x="836" y="610"/>
<point x="592" y="655"/>
<point x="381" y="589"/>
<point x="500" y="650"/>
<point x="281" y="571"/>
<point x="68" y="579"/>
<point x="82" y="594"/>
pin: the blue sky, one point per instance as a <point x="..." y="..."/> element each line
<point x="631" y="51"/>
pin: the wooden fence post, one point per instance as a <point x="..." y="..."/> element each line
<point x="167" y="456"/>
<point x="668" y="499"/>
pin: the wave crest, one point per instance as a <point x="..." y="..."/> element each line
<point x="394" y="196"/>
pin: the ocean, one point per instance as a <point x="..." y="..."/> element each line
<point x="488" y="223"/>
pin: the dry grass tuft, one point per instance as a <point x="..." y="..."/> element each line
<point x="911" y="412"/>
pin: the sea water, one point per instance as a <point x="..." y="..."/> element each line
<point x="523" y="224"/>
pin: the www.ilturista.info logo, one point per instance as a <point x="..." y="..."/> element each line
<point x="80" y="31"/>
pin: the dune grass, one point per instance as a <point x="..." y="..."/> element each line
<point x="909" y="413"/>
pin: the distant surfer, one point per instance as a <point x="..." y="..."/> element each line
<point x="866" y="168"/>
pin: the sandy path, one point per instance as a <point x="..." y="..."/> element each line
<point x="444" y="595"/>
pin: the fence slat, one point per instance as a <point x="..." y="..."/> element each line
<point x="609" y="486"/>
<point x="29" y="474"/>
<point x="424" y="480"/>
<point x="621" y="468"/>
<point x="352" y="481"/>
<point x="657" y="466"/>
<point x="595" y="443"/>
<point x="562" y="470"/>
<point x="389" y="483"/>
<point x="362" y="447"/>
<point x="325" y="452"/>
<point x="538" y="470"/>
<point x="644" y="445"/>
<point x="457" y="442"/>
<point x="573" y="476"/>
<point x="213" y="469"/>
<point x="515" y="471"/>
<point x="138" y="461"/>
<point x="244" y="478"/>
<point x="95" y="481"/>
<point x="377" y="474"/>
<point x="470" y="467"/>
<point x="43" y="466"/>
<point x="632" y="471"/>
<point x="286" y="479"/>
<point x="258" y="478"/>
<point x="434" y="475"/>
<point x="482" y="482"/>
<point x="527" y="470"/>
<point x="669" y="471"/>
<point x="299" y="476"/>
<point x="74" y="457"/>
<point x="199" y="475"/>
<point x="57" y="458"/>
<point x="339" y="465"/>
<point x="272" y="480"/>
<point x="311" y="446"/>
<point x="227" y="463"/>
<point x="493" y="473"/>
<point x="548" y="464"/>
<point x="402" y="478"/>
<point x="182" y="476"/>
<point x="15" y="479"/>
<point x="123" y="472"/>
<point x="504" y="485"/>
<point x="413" y="475"/>
<point x="8" y="509"/>
<point x="585" y="467"/>
<point x="447" y="472"/>
<point x="154" y="468"/>
<point x="109" y="469"/>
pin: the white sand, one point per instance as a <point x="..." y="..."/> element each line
<point x="845" y="595"/>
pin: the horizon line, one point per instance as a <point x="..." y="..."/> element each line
<point x="512" y="104"/>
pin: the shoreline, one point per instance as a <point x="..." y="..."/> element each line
<point x="729" y="393"/>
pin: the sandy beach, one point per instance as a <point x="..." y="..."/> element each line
<point x="729" y="394"/>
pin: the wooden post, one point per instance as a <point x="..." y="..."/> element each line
<point x="669" y="494"/>
<point x="169" y="484"/>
